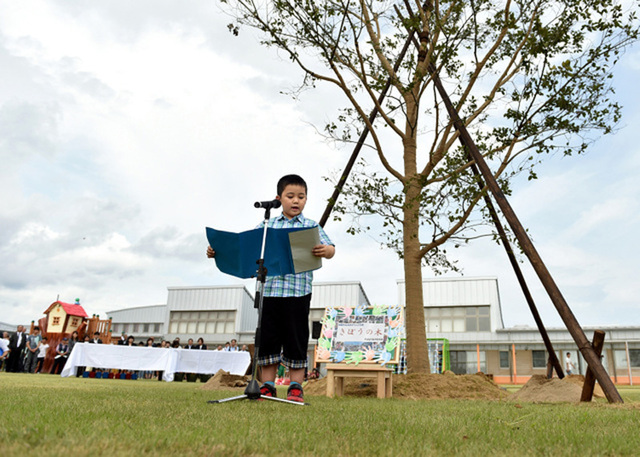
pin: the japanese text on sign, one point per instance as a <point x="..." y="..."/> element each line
<point x="364" y="332"/>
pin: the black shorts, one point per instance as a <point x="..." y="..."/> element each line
<point x="285" y="331"/>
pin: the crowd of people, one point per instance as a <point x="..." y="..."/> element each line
<point x="23" y="352"/>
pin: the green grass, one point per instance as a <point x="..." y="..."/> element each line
<point x="48" y="415"/>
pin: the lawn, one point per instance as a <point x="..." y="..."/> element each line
<point x="49" y="415"/>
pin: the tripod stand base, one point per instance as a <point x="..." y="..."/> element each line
<point x="261" y="397"/>
<point x="252" y="392"/>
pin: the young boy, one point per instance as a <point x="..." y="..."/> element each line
<point x="42" y="353"/>
<point x="285" y="311"/>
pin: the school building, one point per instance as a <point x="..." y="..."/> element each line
<point x="464" y="311"/>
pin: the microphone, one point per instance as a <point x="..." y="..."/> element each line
<point x="268" y="205"/>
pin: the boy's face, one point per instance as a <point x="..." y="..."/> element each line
<point x="293" y="198"/>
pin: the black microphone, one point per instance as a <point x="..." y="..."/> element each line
<point x="268" y="205"/>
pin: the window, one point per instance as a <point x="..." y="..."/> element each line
<point x="477" y="319"/>
<point x="125" y="328"/>
<point x="466" y="362"/>
<point x="156" y="328"/>
<point x="75" y="322"/>
<point x="202" y="322"/>
<point x="136" y="328"/>
<point x="315" y="319"/>
<point x="458" y="319"/>
<point x="634" y="356"/>
<point x="145" y="328"/>
<point x="504" y="359"/>
<point x="56" y="320"/>
<point x="539" y="359"/>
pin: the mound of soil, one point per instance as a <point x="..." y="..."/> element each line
<point x="420" y="386"/>
<point x="223" y="380"/>
<point x="541" y="389"/>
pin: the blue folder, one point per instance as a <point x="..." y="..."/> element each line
<point x="237" y="253"/>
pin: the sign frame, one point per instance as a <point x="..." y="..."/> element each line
<point x="368" y="334"/>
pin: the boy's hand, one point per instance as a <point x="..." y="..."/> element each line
<point x="324" y="250"/>
<point x="210" y="252"/>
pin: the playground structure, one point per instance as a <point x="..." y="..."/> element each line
<point x="61" y="320"/>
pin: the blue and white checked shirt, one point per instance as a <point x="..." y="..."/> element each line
<point x="291" y="285"/>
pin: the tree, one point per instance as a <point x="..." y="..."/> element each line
<point x="528" y="78"/>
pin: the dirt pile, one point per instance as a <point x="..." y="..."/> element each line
<point x="223" y="380"/>
<point x="541" y="389"/>
<point x="420" y="386"/>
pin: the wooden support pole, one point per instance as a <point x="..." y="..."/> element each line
<point x="553" y="359"/>
<point x="589" y="378"/>
<point x="530" y="251"/>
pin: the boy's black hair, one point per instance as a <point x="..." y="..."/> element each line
<point x="288" y="180"/>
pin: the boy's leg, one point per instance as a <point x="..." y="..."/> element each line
<point x="296" y="375"/>
<point x="296" y="336"/>
<point x="269" y="373"/>
<point x="270" y="343"/>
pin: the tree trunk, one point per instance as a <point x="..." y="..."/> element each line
<point x="417" y="352"/>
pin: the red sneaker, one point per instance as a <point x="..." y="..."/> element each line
<point x="295" y="393"/>
<point x="267" y="390"/>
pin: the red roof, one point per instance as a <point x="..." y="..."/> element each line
<point x="70" y="309"/>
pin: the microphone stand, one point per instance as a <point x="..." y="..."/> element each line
<point x="252" y="391"/>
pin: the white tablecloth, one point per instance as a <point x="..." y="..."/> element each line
<point x="141" y="358"/>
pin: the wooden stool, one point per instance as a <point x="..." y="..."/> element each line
<point x="336" y="372"/>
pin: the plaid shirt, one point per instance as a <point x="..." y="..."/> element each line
<point x="291" y="285"/>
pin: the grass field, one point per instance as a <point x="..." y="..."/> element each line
<point x="51" y="416"/>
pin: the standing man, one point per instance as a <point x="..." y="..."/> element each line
<point x="33" y="346"/>
<point x="568" y="365"/>
<point x="17" y="343"/>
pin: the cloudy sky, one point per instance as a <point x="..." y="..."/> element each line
<point x="128" y="127"/>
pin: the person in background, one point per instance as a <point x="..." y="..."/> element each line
<point x="189" y="344"/>
<point x="568" y="365"/>
<point x="73" y="340"/>
<point x="149" y="374"/>
<point x="130" y="341"/>
<point x="4" y="349"/>
<point x="62" y="352"/>
<point x="233" y="347"/>
<point x="201" y="344"/>
<point x="244" y="348"/>
<point x="33" y="344"/>
<point x="42" y="353"/>
<point x="219" y="348"/>
<point x="96" y="338"/>
<point x="17" y="343"/>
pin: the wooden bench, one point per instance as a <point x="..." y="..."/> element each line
<point x="336" y="372"/>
